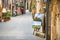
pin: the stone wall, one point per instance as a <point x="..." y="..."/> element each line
<point x="38" y="5"/>
<point x="53" y="20"/>
<point x="0" y="9"/>
<point x="58" y="21"/>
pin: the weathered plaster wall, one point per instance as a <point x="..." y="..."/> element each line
<point x="58" y="21"/>
<point x="53" y="20"/>
<point x="0" y="9"/>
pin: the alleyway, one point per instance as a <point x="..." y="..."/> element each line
<point x="18" y="28"/>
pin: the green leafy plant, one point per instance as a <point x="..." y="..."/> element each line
<point x="41" y="35"/>
<point x="9" y="14"/>
<point x="6" y="17"/>
<point x="32" y="6"/>
<point x="36" y="26"/>
<point x="4" y="14"/>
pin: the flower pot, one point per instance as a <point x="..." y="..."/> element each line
<point x="5" y="20"/>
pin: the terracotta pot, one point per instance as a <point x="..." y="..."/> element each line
<point x="5" y="20"/>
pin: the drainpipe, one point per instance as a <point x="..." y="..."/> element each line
<point x="46" y="20"/>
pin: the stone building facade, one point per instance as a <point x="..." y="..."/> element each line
<point x="0" y="10"/>
<point x="55" y="17"/>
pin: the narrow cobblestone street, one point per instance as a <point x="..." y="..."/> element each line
<point x="18" y="28"/>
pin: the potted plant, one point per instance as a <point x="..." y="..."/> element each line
<point x="6" y="15"/>
<point x="6" y="18"/>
